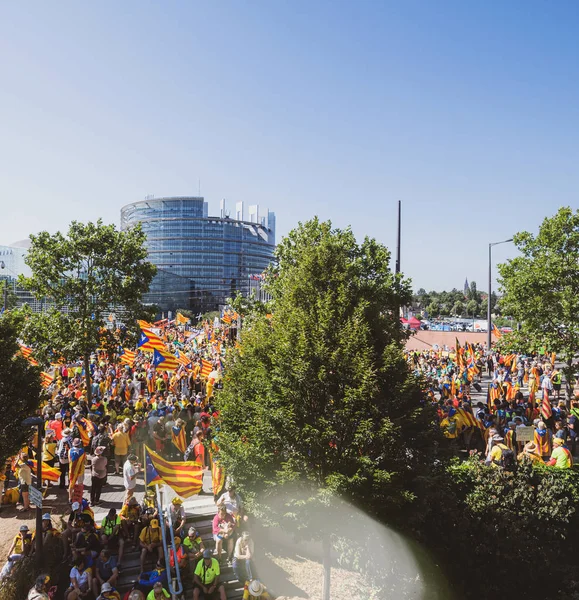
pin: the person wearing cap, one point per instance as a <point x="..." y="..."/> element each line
<point x="194" y="546"/>
<point x="57" y="426"/>
<point x="497" y="449"/>
<point x="242" y="557"/>
<point x="87" y="542"/>
<point x="150" y="540"/>
<point x="48" y="530"/>
<point x="111" y="533"/>
<point x="158" y="592"/>
<point x="206" y="579"/>
<point x="74" y="524"/>
<point x="179" y="554"/>
<point x="108" y="592"/>
<point x="24" y="481"/>
<point x="560" y="457"/>
<point x="130" y="470"/>
<point x="40" y="589"/>
<point x="177" y="513"/>
<point x="21" y="547"/>
<point x="255" y="590"/>
<point x="131" y="520"/>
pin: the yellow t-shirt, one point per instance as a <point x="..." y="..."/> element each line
<point x="150" y="535"/>
<point x="121" y="442"/>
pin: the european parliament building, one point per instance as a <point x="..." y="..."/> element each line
<point x="201" y="260"/>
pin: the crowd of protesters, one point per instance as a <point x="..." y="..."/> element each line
<point x="524" y="416"/>
<point x="134" y="404"/>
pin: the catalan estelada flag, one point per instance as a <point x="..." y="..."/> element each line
<point x="183" y="359"/>
<point x="150" y="341"/>
<point x="181" y="319"/>
<point x="206" y="368"/>
<point x="164" y="361"/>
<point x="185" y="478"/>
<point x="77" y="464"/>
<point x="86" y="429"/>
<point x="128" y="356"/>
<point x="48" y="473"/>
<point x="179" y="439"/>
<point x="26" y="352"/>
<point x="46" y="379"/>
<point x="496" y="332"/>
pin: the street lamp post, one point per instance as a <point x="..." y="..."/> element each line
<point x="489" y="324"/>
<point x="39" y="423"/>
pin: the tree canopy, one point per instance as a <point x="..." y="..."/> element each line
<point x="19" y="388"/>
<point x="541" y="285"/>
<point x="319" y="395"/>
<point x="85" y="276"/>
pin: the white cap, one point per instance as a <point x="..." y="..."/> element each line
<point x="75" y="506"/>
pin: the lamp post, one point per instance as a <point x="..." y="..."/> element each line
<point x="489" y="324"/>
<point x="39" y="423"/>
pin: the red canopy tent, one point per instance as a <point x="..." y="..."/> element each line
<point x="414" y="323"/>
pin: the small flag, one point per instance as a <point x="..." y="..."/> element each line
<point x="185" y="478"/>
<point x="181" y="319"/>
<point x="164" y="361"/>
<point x="546" y="409"/>
<point x="179" y="439"/>
<point x="496" y="331"/>
<point x="26" y="352"/>
<point x="183" y="359"/>
<point x="46" y="379"/>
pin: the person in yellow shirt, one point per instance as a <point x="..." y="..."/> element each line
<point x="121" y="442"/>
<point x="560" y="457"/>
<point x="255" y="590"/>
<point x="150" y="539"/>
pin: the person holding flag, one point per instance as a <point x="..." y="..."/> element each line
<point x="77" y="461"/>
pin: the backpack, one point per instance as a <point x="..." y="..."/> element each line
<point x="508" y="460"/>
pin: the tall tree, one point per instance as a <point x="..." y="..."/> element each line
<point x="86" y="275"/>
<point x="319" y="395"/>
<point x="541" y="286"/>
<point x="19" y="388"/>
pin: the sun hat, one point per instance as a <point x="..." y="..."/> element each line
<point x="76" y="442"/>
<point x="107" y="587"/>
<point x="99" y="450"/>
<point x="23" y="527"/>
<point x="58" y="416"/>
<point x="256" y="588"/>
<point x="75" y="506"/>
<point x="67" y="431"/>
<point x="192" y="531"/>
<point x="46" y="517"/>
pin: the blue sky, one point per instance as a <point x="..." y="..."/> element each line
<point x="468" y="112"/>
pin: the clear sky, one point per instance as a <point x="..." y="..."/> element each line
<point x="467" y="111"/>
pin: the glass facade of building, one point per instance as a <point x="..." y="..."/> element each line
<point x="202" y="260"/>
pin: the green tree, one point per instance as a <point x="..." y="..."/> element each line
<point x="7" y="296"/>
<point x="541" y="286"/>
<point x="87" y="274"/>
<point x="19" y="388"/>
<point x="433" y="309"/>
<point x="320" y="396"/>
<point x="472" y="308"/>
<point x="457" y="309"/>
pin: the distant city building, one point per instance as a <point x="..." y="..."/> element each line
<point x="201" y="260"/>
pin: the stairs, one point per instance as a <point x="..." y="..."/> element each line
<point x="201" y="519"/>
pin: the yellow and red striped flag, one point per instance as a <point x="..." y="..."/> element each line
<point x="164" y="361"/>
<point x="26" y="352"/>
<point x="217" y="476"/>
<point x="185" y="478"/>
<point x="48" y="473"/>
<point x="183" y="359"/>
<point x="128" y="356"/>
<point x="206" y="368"/>
<point x="150" y="341"/>
<point x="496" y="332"/>
<point x="143" y="324"/>
<point x="46" y="379"/>
<point x="226" y="318"/>
<point x="546" y="409"/>
<point x="77" y="464"/>
<point x="179" y="439"/>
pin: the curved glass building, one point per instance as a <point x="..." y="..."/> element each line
<point x="201" y="260"/>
